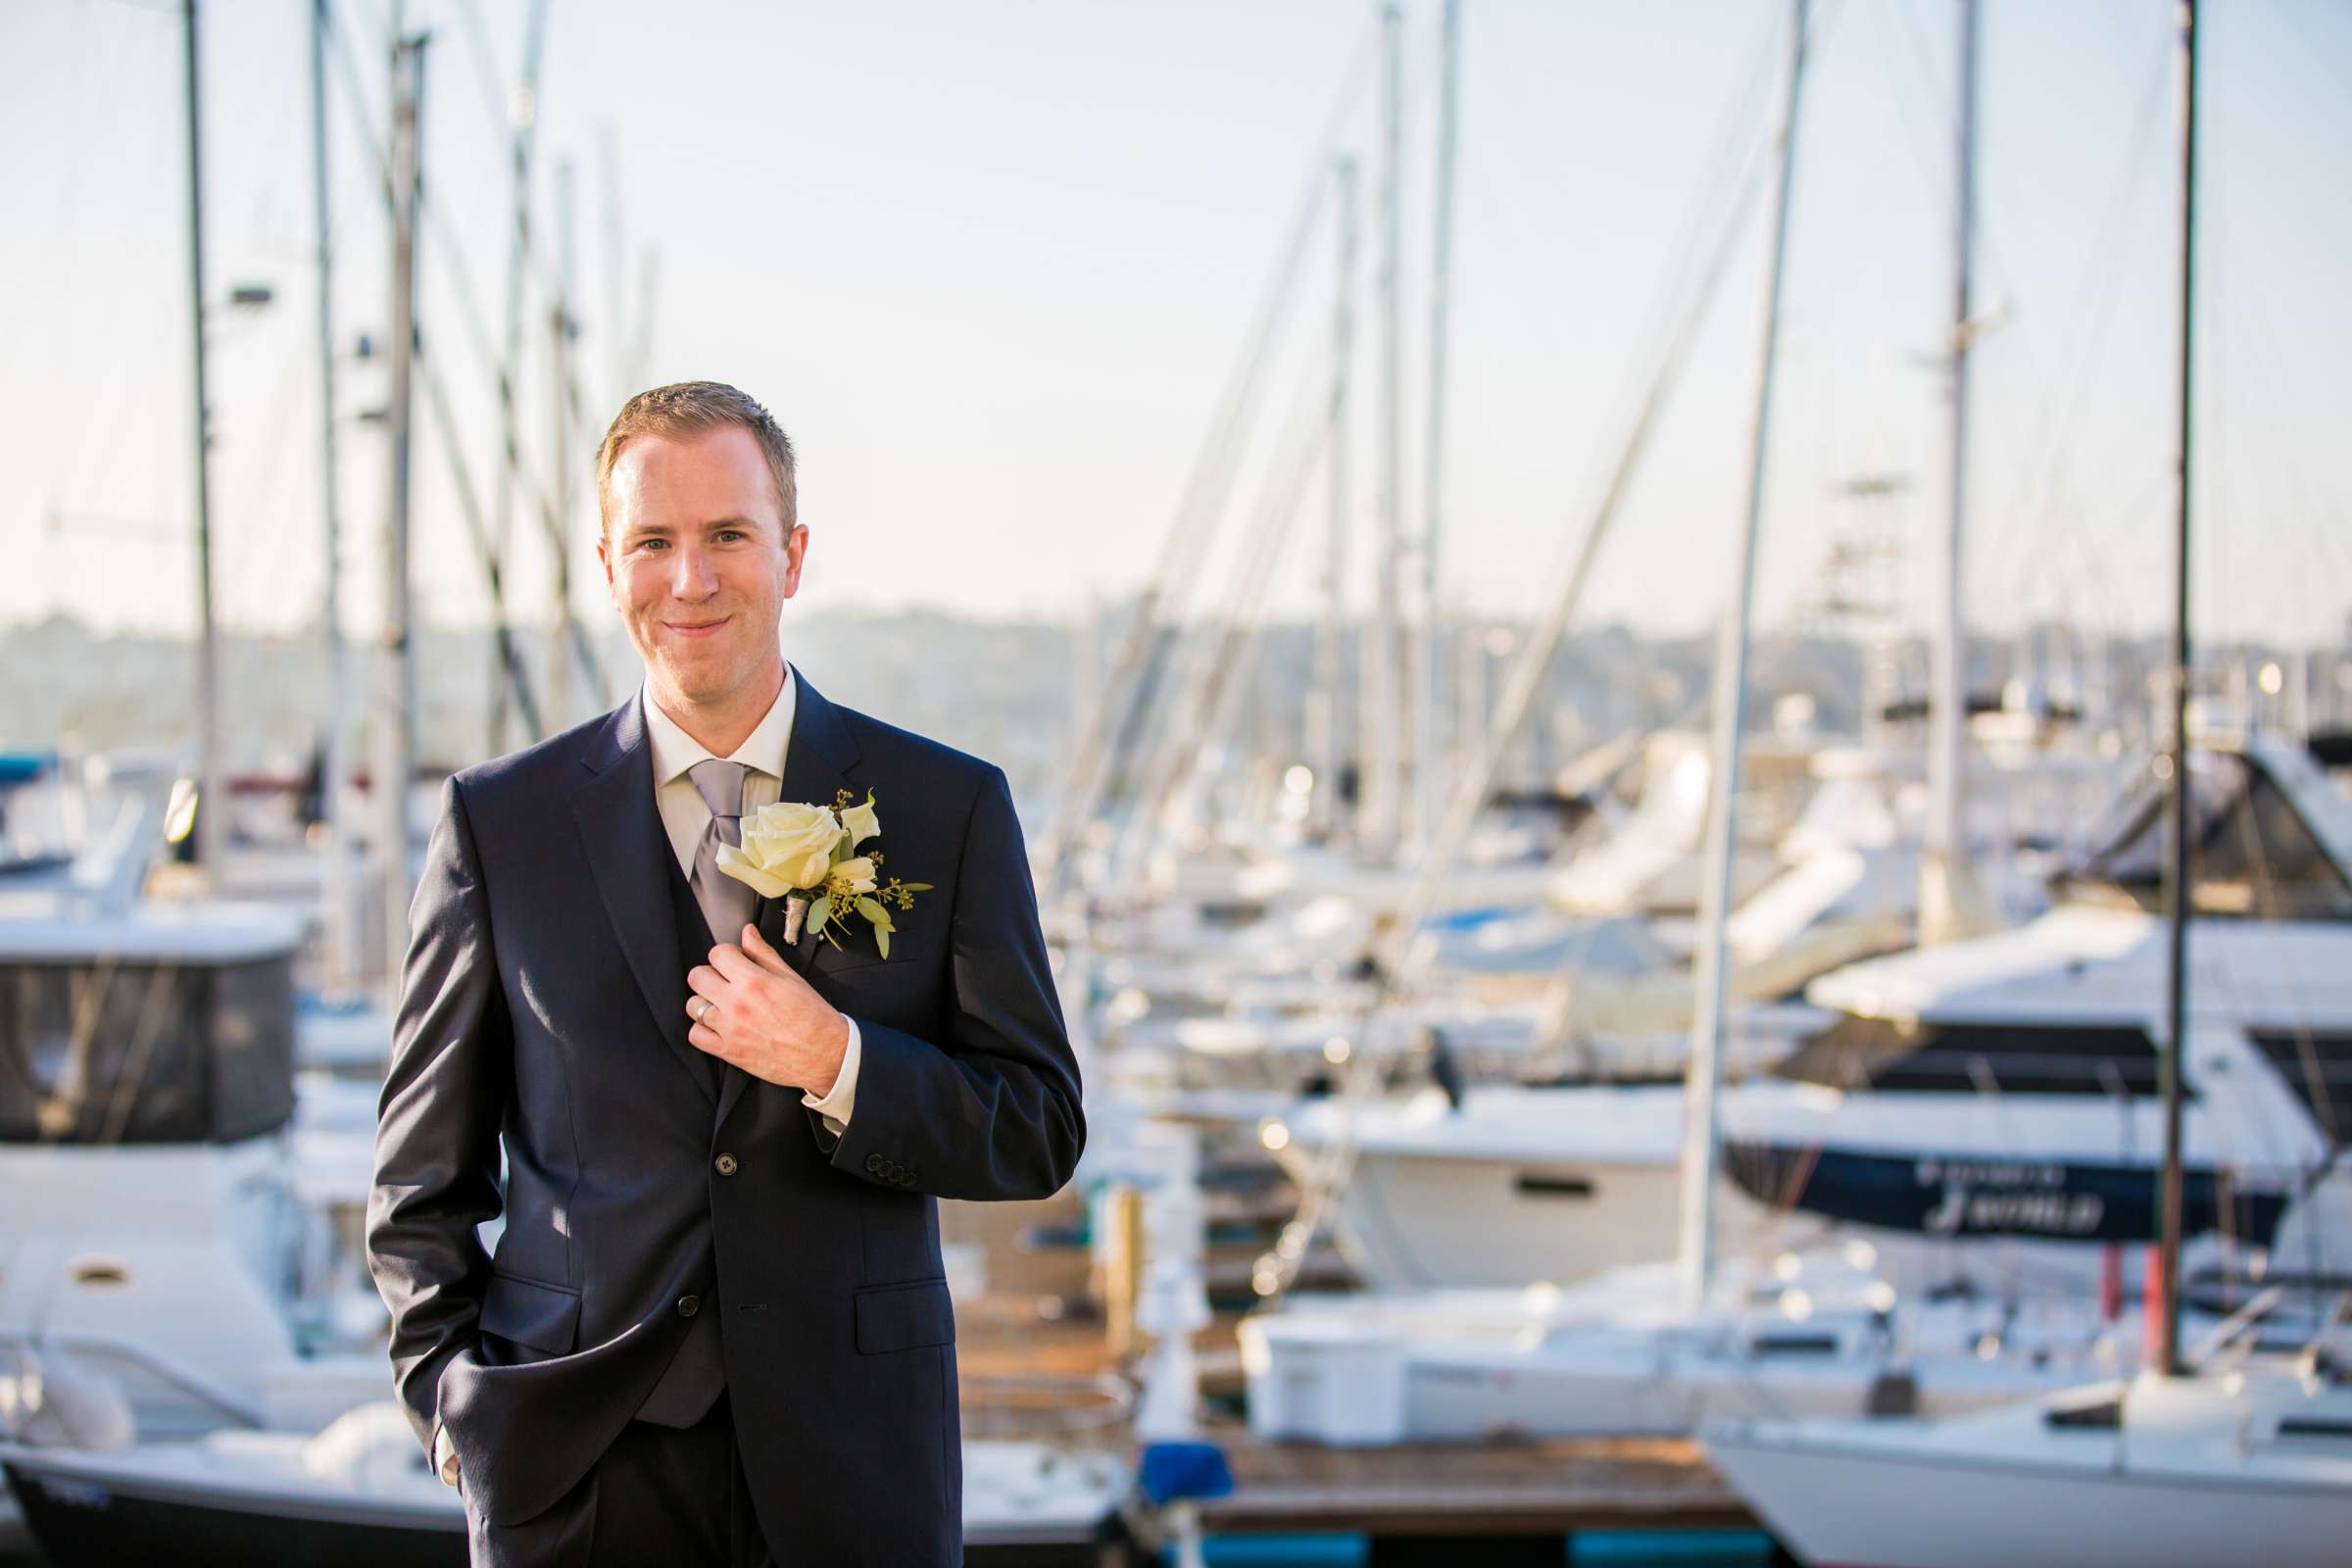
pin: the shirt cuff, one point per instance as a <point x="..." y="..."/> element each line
<point x="835" y="1106"/>
<point x="445" y="1458"/>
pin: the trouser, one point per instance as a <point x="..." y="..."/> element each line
<point x="663" y="1495"/>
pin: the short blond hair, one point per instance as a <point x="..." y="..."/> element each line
<point x="688" y="408"/>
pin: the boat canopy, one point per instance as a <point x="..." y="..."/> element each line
<point x="2015" y="1057"/>
<point x="2266" y="842"/>
<point x="26" y="768"/>
<point x="145" y="1041"/>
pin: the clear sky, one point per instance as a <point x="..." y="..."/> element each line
<point x="991" y="266"/>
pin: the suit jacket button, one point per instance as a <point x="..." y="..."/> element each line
<point x="688" y="1305"/>
<point x="726" y="1165"/>
<point x="874" y="1164"/>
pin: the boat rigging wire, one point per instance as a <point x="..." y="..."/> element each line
<point x="2038" y="493"/>
<point x="1397" y="958"/>
<point x="453" y="262"/>
<point x="1101" y="746"/>
<point x="1198" y="722"/>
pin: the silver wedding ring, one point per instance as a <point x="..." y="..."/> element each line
<point x="706" y="1009"/>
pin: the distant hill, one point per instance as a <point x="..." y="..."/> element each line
<point x="1004" y="690"/>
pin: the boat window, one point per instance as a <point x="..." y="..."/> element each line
<point x="1793" y="1345"/>
<point x="2318" y="1065"/>
<point x="2313" y="1426"/>
<point x="98" y="1273"/>
<point x="129" y="1051"/>
<point x="1536" y="1183"/>
<point x="2250" y="852"/>
<point x="1890" y="1056"/>
<point x="2103" y="1409"/>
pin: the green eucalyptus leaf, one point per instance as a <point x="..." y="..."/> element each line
<point x="819" y="912"/>
<point x="882" y="939"/>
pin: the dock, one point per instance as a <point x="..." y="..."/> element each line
<point x="1498" y="1491"/>
<point x="1509" y="1500"/>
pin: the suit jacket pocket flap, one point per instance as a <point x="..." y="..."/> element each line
<point x="545" y="1317"/>
<point x="904" y="1317"/>
<point x="830" y="959"/>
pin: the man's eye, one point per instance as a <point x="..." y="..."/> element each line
<point x="653" y="544"/>
<point x="732" y="533"/>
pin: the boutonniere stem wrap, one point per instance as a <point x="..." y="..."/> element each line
<point x="796" y="851"/>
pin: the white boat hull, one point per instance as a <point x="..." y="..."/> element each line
<point x="1562" y="1186"/>
<point x="2249" y="1465"/>
<point x="1402" y="1219"/>
<point x="1848" y="1508"/>
<point x="1797" y="1337"/>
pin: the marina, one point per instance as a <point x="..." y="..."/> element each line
<point x="1790" y="1005"/>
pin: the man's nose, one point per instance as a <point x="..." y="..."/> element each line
<point x="692" y="577"/>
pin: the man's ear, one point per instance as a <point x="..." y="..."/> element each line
<point x="603" y="556"/>
<point x="796" y="550"/>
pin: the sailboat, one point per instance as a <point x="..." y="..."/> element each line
<point x="2198" y="1459"/>
<point x="2249" y="1460"/>
<point x="1946" y="1170"/>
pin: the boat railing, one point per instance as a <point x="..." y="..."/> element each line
<point x="27" y="1350"/>
<point x="2231" y="1339"/>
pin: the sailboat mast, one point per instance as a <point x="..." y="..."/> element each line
<point x="559" y="671"/>
<point x="2175" y="772"/>
<point x="334" y="764"/>
<point x="1427" y="799"/>
<point x="608" y="152"/>
<point x="1383" y="695"/>
<point x="211" y="800"/>
<point x="1706" y="1071"/>
<point x="525" y="117"/>
<point x="1329" y="685"/>
<point x="1948" y="905"/>
<point x="396" y="704"/>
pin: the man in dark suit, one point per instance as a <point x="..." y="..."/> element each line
<point x="715" y="1328"/>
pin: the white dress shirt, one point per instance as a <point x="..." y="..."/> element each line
<point x="685" y="816"/>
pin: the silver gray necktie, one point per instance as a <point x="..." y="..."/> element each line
<point x="726" y="903"/>
<point x="697" y="1374"/>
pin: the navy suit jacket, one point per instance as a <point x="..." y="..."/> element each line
<point x="543" y="1009"/>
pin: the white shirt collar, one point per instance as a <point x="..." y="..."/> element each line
<point x="674" y="751"/>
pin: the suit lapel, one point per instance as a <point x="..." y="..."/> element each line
<point x="818" y="763"/>
<point x="632" y="861"/>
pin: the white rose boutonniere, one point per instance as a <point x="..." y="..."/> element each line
<point x="809" y="852"/>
